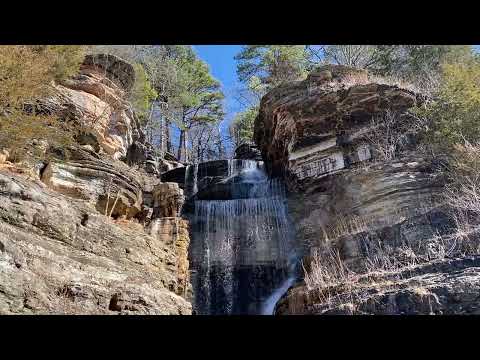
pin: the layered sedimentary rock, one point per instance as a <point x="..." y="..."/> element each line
<point x="344" y="193"/>
<point x="60" y="255"/>
<point x="378" y="195"/>
<point x="92" y="230"/>
<point x="315" y="133"/>
<point x="314" y="127"/>
<point x="95" y="99"/>
<point x="112" y="186"/>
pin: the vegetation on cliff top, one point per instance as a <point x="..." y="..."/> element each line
<point x="174" y="89"/>
<point x="424" y="67"/>
<point x="26" y="71"/>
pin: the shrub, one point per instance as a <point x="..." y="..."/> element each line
<point x="463" y="191"/>
<point x="455" y="113"/>
<point x="23" y="75"/>
<point x="64" y="60"/>
<point x="17" y="133"/>
<point x="26" y="73"/>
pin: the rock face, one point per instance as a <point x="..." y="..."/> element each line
<point x="87" y="233"/>
<point x="60" y="255"/>
<point x="311" y="128"/>
<point x="168" y="200"/>
<point x="100" y="181"/>
<point x="376" y="196"/>
<point x="343" y="194"/>
<point x="315" y="133"/>
<point x="95" y="99"/>
<point x="142" y="154"/>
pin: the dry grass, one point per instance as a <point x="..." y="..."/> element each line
<point x="344" y="226"/>
<point x="328" y="272"/>
<point x="389" y="132"/>
<point x="463" y="196"/>
<point x="355" y="78"/>
<point x="327" y="269"/>
<point x="332" y="282"/>
<point x="394" y="81"/>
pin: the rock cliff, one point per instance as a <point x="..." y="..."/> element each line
<point x="350" y="185"/>
<point x="95" y="232"/>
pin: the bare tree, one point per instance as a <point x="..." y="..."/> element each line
<point x="206" y="143"/>
<point x="361" y="56"/>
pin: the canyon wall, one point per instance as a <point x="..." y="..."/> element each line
<point x="344" y="192"/>
<point x="93" y="230"/>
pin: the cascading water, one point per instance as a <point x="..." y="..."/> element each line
<point x="245" y="244"/>
<point x="195" y="176"/>
<point x="190" y="190"/>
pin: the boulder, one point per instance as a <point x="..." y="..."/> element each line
<point x="248" y="152"/>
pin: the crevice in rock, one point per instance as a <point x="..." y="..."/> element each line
<point x="42" y="168"/>
<point x="113" y="305"/>
<point x="84" y="220"/>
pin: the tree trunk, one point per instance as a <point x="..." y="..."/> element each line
<point x="168" y="141"/>
<point x="182" y="147"/>
<point x="149" y="125"/>
<point x="199" y="152"/>
<point x="220" y="146"/>
<point x="162" y="136"/>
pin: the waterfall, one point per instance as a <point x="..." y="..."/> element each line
<point x="185" y="181"/>
<point x="245" y="243"/>
<point x="191" y="172"/>
<point x="270" y="303"/>
<point x="195" y="175"/>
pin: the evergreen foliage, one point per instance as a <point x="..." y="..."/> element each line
<point x="241" y="128"/>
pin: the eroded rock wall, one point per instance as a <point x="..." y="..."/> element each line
<point x="94" y="231"/>
<point x="60" y="255"/>
<point x="317" y="135"/>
